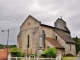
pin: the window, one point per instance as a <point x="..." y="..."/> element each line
<point x="28" y="23"/>
<point x="28" y="41"/>
<point x="44" y="35"/>
<point x="48" y="47"/>
<point x="56" y="37"/>
<point x="70" y="47"/>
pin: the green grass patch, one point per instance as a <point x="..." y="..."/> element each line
<point x="68" y="58"/>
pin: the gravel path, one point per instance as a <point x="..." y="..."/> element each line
<point x="78" y="58"/>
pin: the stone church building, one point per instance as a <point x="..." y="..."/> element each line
<point x="35" y="36"/>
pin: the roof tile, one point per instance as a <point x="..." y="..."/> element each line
<point x="3" y="54"/>
<point x="53" y="42"/>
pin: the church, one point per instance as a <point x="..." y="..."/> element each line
<point x="35" y="36"/>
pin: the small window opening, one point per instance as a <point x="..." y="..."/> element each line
<point x="56" y="37"/>
<point x="48" y="47"/>
<point x="28" y="41"/>
<point x="28" y="23"/>
<point x="70" y="47"/>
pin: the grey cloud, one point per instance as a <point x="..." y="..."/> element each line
<point x="14" y="12"/>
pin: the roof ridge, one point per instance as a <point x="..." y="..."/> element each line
<point x="54" y="27"/>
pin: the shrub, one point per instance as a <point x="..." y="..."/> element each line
<point x="16" y="52"/>
<point x="51" y="52"/>
<point x="32" y="55"/>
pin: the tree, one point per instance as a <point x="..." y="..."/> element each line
<point x="77" y="40"/>
<point x="51" y="52"/>
<point x="9" y="46"/>
<point x="1" y="46"/>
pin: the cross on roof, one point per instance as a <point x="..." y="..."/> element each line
<point x="61" y="17"/>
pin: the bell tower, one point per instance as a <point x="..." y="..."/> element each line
<point x="61" y="24"/>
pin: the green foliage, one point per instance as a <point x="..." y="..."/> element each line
<point x="9" y="46"/>
<point x="51" y="52"/>
<point x="32" y="55"/>
<point x="16" y="52"/>
<point x="1" y="46"/>
<point x="12" y="46"/>
<point x="77" y="40"/>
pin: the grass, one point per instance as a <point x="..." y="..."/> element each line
<point x="68" y="58"/>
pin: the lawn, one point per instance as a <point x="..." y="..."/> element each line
<point x="68" y="58"/>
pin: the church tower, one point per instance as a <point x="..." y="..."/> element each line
<point x="61" y="24"/>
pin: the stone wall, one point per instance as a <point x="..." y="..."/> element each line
<point x="29" y="27"/>
<point x="48" y="45"/>
<point x="66" y="45"/>
<point x="32" y="28"/>
<point x="48" y="31"/>
<point x="29" y="23"/>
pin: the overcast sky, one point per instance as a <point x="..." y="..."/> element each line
<point x="14" y="12"/>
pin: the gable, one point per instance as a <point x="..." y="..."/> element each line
<point x="30" y="22"/>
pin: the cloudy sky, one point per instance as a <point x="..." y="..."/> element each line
<point x="14" y="12"/>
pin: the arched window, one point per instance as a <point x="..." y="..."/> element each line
<point x="28" y="41"/>
<point x="44" y="35"/>
<point x="70" y="47"/>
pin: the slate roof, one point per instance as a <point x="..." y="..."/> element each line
<point x="60" y="19"/>
<point x="53" y="42"/>
<point x="64" y="36"/>
<point x="54" y="27"/>
<point x="61" y="22"/>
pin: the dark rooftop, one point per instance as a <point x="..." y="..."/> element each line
<point x="54" y="28"/>
<point x="64" y="36"/>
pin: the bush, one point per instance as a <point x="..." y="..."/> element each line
<point x="51" y="52"/>
<point x="16" y="52"/>
<point x="32" y="55"/>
